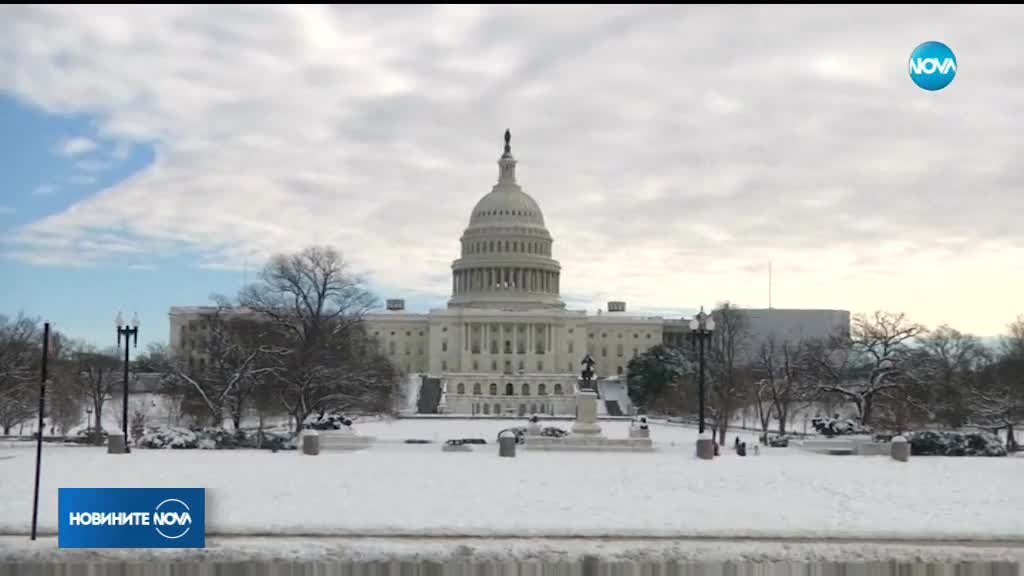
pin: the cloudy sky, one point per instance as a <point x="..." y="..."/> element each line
<point x="153" y="156"/>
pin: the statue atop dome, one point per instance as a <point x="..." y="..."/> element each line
<point x="508" y="140"/>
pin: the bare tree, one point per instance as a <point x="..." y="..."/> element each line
<point x="997" y="398"/>
<point x="728" y="370"/>
<point x="780" y="371"/>
<point x="869" y="362"/>
<point x="19" y="357"/>
<point x="947" y="367"/>
<point x="317" y="307"/>
<point x="232" y="347"/>
<point x="96" y="377"/>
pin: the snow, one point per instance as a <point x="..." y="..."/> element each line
<point x="395" y="489"/>
<point x="483" y="553"/>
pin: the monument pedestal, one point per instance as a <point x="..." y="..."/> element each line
<point x="586" y="414"/>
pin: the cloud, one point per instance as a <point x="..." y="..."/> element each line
<point x="71" y="147"/>
<point x="674" y="150"/>
<point x="6" y="210"/>
<point x="44" y="190"/>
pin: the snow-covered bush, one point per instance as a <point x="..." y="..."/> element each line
<point x="838" y="427"/>
<point x="279" y="439"/>
<point x="949" y="443"/>
<point x="326" y="422"/>
<point x="168" y="437"/>
<point x="222" y="438"/>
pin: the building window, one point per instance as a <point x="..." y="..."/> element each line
<point x="494" y="389"/>
<point x="636" y="352"/>
<point x="509" y="389"/>
<point x="476" y="388"/>
<point x="461" y="388"/>
<point x="526" y="389"/>
<point x="444" y="365"/>
<point x="542" y="389"/>
<point x="570" y="330"/>
<point x="508" y="346"/>
<point x="408" y="333"/>
<point x="392" y="332"/>
<point x="569" y="369"/>
<point x="494" y="365"/>
<point x="522" y="366"/>
<point x="521" y="347"/>
<point x="444" y="328"/>
<point x="406" y="347"/>
<point x="570" y="347"/>
<point x="419" y="349"/>
<point x="475" y="347"/>
<point x="648" y="336"/>
<point x="202" y="365"/>
<point x="533" y="408"/>
<point x="508" y="366"/>
<point x="620" y="371"/>
<point x="618" y="349"/>
<point x="444" y="345"/>
<point x="604" y="334"/>
<point x="558" y="389"/>
<point x="604" y="351"/>
<point x="391" y="348"/>
<point x="497" y="409"/>
<point x="476" y="365"/>
<point x="540" y="365"/>
<point x="494" y="346"/>
<point x="636" y="335"/>
<point x="487" y="408"/>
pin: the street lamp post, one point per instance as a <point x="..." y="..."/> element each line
<point x="129" y="332"/>
<point x="701" y="328"/>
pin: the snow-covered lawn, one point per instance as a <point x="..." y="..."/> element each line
<point x="395" y="489"/>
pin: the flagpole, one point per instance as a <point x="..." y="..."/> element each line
<point x="39" y="432"/>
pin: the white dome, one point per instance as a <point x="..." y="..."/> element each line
<point x="506" y="250"/>
<point x="504" y="205"/>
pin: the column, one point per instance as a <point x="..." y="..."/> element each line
<point x="529" y="339"/>
<point x="454" y="286"/>
<point x="558" y="279"/>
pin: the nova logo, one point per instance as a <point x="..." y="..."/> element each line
<point x="172" y="514"/>
<point x="932" y="66"/>
<point x="132" y="517"/>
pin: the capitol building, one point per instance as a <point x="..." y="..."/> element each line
<point x="506" y="344"/>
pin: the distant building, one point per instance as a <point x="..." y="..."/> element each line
<point x="506" y="344"/>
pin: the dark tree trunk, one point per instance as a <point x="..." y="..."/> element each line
<point x="7" y="429"/>
<point x="865" y="414"/>
<point x="97" y="434"/>
<point x="1011" y="440"/>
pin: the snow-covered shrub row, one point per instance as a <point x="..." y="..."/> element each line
<point x="168" y="437"/>
<point x="838" y="427"/>
<point x="950" y="443"/>
<point x="214" y="438"/>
